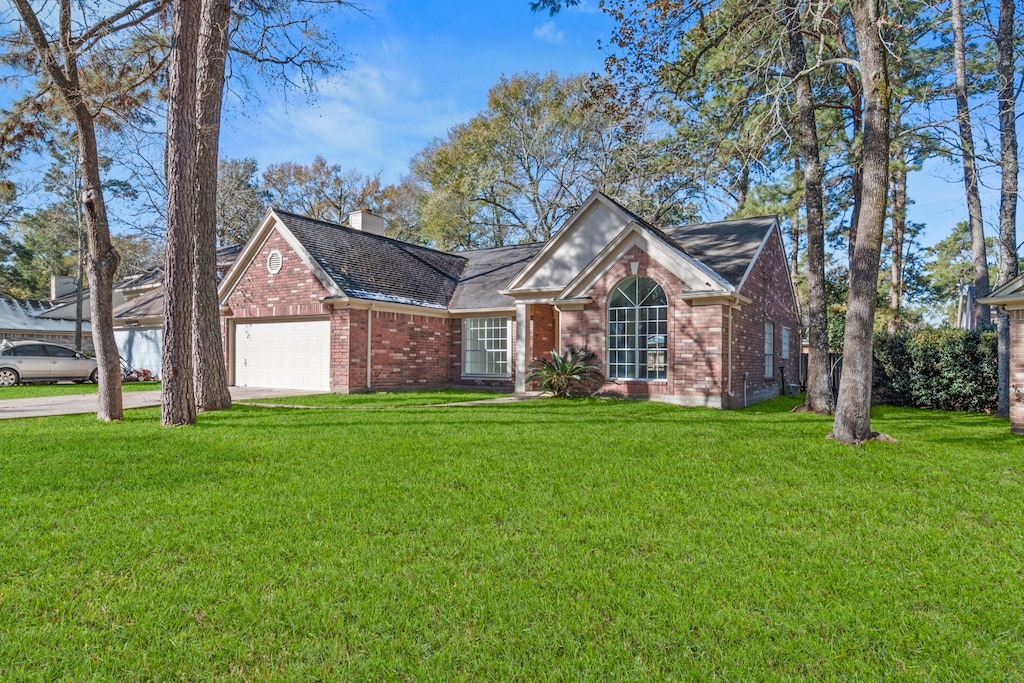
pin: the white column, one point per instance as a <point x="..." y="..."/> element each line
<point x="522" y="346"/>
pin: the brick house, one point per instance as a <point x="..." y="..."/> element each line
<point x="1010" y="297"/>
<point x="698" y="315"/>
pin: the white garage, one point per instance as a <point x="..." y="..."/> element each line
<point x="283" y="355"/>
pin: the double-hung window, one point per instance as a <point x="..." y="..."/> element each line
<point x="637" y="330"/>
<point x="769" y="350"/>
<point x="485" y="346"/>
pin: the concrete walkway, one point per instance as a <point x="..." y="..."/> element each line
<point x="86" y="403"/>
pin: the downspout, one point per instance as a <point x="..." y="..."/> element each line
<point x="369" y="347"/>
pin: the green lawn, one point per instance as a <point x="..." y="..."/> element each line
<point x="382" y="399"/>
<point x="542" y="540"/>
<point x="43" y="390"/>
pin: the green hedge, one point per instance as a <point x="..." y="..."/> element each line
<point x="942" y="368"/>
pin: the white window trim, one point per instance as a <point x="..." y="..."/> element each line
<point x="508" y="349"/>
<point x="786" y="341"/>
<point x="274" y="262"/>
<point x="769" y="351"/>
<point x="663" y="351"/>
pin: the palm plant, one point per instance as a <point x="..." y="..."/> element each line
<point x="563" y="372"/>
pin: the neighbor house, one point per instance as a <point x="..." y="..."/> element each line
<point x="51" y="320"/>
<point x="1010" y="297"/>
<point x="700" y="314"/>
<point x="139" y="321"/>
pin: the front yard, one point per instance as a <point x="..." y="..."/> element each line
<point x="66" y="389"/>
<point x="542" y="540"/>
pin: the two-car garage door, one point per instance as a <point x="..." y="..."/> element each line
<point x="283" y="355"/>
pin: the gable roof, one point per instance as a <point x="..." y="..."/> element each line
<point x="487" y="273"/>
<point x="368" y="266"/>
<point x="726" y="247"/>
<point x="709" y="256"/>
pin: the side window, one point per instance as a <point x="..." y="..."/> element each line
<point x="60" y="351"/>
<point x="769" y="350"/>
<point x="31" y="350"/>
<point x="7" y="352"/>
<point x="784" y="351"/>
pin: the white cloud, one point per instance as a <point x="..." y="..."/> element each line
<point x="549" y="33"/>
<point x="370" y="119"/>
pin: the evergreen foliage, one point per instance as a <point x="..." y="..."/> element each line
<point x="943" y="368"/>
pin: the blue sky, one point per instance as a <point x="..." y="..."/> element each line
<point x="415" y="69"/>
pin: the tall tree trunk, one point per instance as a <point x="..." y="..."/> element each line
<point x="1008" y="266"/>
<point x="101" y="266"/>
<point x="207" y="352"/>
<point x="102" y="260"/>
<point x="899" y="229"/>
<point x="797" y="230"/>
<point x="979" y="313"/>
<point x="178" y="400"/>
<point x="853" y="408"/>
<point x="818" y="397"/>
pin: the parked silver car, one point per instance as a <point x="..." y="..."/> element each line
<point x="22" y="362"/>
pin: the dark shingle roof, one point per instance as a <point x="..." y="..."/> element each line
<point x="727" y="247"/>
<point x="488" y="271"/>
<point x="367" y="266"/>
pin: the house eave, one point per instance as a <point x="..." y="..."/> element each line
<point x="715" y="298"/>
<point x="574" y="304"/>
<point x="470" y="312"/>
<point x="353" y="303"/>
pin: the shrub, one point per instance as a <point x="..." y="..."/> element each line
<point x="936" y="368"/>
<point x="564" y="373"/>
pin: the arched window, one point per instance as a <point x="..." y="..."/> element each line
<point x="637" y="330"/>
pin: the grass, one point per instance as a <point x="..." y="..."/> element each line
<point x="68" y="389"/>
<point x="542" y="540"/>
<point x="383" y="399"/>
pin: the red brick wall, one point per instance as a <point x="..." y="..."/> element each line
<point x="543" y="326"/>
<point x="294" y="291"/>
<point x="409" y="351"/>
<point x="542" y="329"/>
<point x="1017" y="372"/>
<point x="340" y="351"/>
<point x="768" y="285"/>
<point x="695" y="335"/>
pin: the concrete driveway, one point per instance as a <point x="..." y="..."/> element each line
<point x="86" y="403"/>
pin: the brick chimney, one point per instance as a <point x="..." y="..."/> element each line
<point x="366" y="222"/>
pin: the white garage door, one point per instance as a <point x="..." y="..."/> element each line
<point x="293" y="355"/>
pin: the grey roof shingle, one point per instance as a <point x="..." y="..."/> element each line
<point x="367" y="266"/>
<point x="727" y="247"/>
<point x="488" y="271"/>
